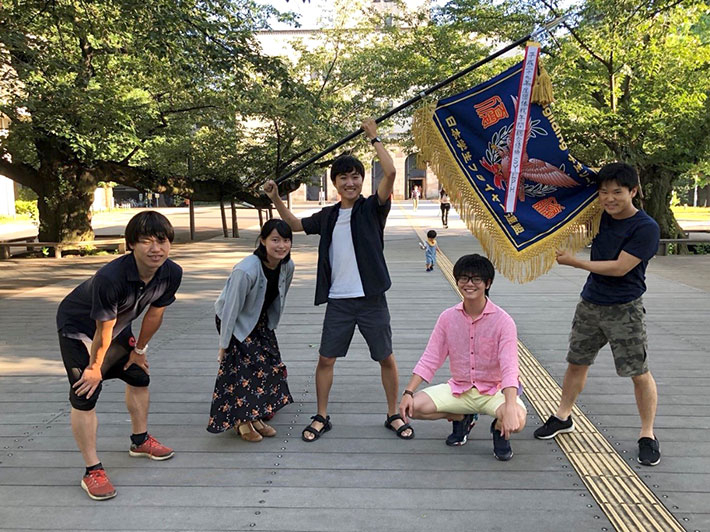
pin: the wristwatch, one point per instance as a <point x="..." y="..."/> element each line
<point x="141" y="351"/>
<point x="408" y="392"/>
<point x="376" y="139"/>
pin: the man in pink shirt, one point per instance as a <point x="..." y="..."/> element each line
<point x="480" y="339"/>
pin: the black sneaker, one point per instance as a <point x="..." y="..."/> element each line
<point x="501" y="447"/>
<point x="554" y="426"/>
<point x="649" y="451"/>
<point x="461" y="429"/>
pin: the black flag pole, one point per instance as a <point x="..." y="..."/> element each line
<point x="535" y="35"/>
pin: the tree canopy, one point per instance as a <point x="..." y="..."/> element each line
<point x="113" y="90"/>
<point x="176" y="96"/>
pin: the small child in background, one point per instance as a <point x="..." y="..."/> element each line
<point x="430" y="250"/>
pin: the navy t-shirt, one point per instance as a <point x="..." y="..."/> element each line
<point x="638" y="236"/>
<point x="115" y="292"/>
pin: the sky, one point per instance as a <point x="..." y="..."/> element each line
<point x="311" y="11"/>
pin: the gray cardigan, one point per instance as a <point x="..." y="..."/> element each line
<point x="239" y="305"/>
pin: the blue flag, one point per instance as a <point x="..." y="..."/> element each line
<point x="467" y="140"/>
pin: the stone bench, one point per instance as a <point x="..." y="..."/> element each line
<point x="664" y="243"/>
<point x="118" y="244"/>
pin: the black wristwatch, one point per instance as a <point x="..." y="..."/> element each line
<point x="408" y="392"/>
<point x="376" y="139"/>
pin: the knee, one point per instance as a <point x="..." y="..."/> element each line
<point x="80" y="402"/>
<point x="644" y="379"/>
<point x="522" y="419"/>
<point x="389" y="362"/>
<point x="576" y="371"/>
<point x="138" y="379"/>
<point x="325" y="362"/>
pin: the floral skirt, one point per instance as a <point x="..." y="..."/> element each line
<point x="251" y="381"/>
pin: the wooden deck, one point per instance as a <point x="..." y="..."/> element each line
<point x="358" y="477"/>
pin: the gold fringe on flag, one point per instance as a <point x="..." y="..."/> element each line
<point x="517" y="265"/>
<point x="542" y="89"/>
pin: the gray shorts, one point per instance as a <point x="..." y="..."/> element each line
<point x="623" y="326"/>
<point x="372" y="318"/>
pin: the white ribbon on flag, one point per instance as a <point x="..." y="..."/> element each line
<point x="520" y="126"/>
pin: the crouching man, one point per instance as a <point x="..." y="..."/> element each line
<point x="480" y="341"/>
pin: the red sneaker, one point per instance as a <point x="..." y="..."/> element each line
<point x="97" y="485"/>
<point x="151" y="448"/>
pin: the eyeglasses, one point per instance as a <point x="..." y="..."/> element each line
<point x="464" y="279"/>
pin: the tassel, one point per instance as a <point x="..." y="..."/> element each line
<point x="421" y="162"/>
<point x="542" y="89"/>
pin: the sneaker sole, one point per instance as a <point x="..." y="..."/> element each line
<point x="503" y="459"/>
<point x="561" y="431"/>
<point x="649" y="463"/>
<point x="151" y="456"/>
<point x="97" y="497"/>
<point x="457" y="443"/>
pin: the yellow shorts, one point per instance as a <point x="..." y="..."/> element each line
<point x="470" y="402"/>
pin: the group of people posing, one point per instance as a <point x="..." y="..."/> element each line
<point x="478" y="338"/>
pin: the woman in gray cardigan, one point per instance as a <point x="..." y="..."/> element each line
<point x="251" y="382"/>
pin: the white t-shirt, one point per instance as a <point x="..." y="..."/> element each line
<point x="345" y="279"/>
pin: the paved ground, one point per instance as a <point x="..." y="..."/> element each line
<point x="358" y="477"/>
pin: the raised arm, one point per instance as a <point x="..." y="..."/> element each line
<point x="272" y="190"/>
<point x="384" y="190"/>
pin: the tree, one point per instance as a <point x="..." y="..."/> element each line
<point x="631" y="76"/>
<point x="91" y="88"/>
<point x="631" y="83"/>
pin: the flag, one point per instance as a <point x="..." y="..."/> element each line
<point x="468" y="139"/>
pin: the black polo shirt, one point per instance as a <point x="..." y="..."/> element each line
<point x="367" y="226"/>
<point x="115" y="292"/>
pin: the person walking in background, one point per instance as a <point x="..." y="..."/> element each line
<point x="445" y="206"/>
<point x="430" y="250"/>
<point x="415" y="197"/>
<point x="251" y="382"/>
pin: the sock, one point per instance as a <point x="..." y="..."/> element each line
<point x="138" y="439"/>
<point x="93" y="468"/>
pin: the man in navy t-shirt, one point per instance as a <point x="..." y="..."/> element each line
<point x="96" y="341"/>
<point x="611" y="309"/>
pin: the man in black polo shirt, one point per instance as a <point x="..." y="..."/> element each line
<point x="352" y="277"/>
<point x="96" y="342"/>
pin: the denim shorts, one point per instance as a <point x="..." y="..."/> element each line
<point x="623" y="326"/>
<point x="372" y="318"/>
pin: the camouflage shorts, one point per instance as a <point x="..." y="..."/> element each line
<point x="622" y="326"/>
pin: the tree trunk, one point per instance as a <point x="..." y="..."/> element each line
<point x="657" y="185"/>
<point x="235" y="226"/>
<point x="225" y="231"/>
<point x="64" y="203"/>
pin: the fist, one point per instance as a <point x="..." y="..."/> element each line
<point x="271" y="189"/>
<point x="370" y="128"/>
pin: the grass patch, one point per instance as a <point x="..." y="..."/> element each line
<point x="15" y="219"/>
<point x="691" y="213"/>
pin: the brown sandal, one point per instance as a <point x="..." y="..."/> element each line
<point x="262" y="428"/>
<point x="247" y="432"/>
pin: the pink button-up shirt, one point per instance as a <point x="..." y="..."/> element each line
<point x="482" y="352"/>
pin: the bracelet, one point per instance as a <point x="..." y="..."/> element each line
<point x="140" y="351"/>
<point x="408" y="392"/>
<point x="376" y="139"/>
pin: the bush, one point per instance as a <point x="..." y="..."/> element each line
<point x="28" y="208"/>
<point x="26" y="194"/>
